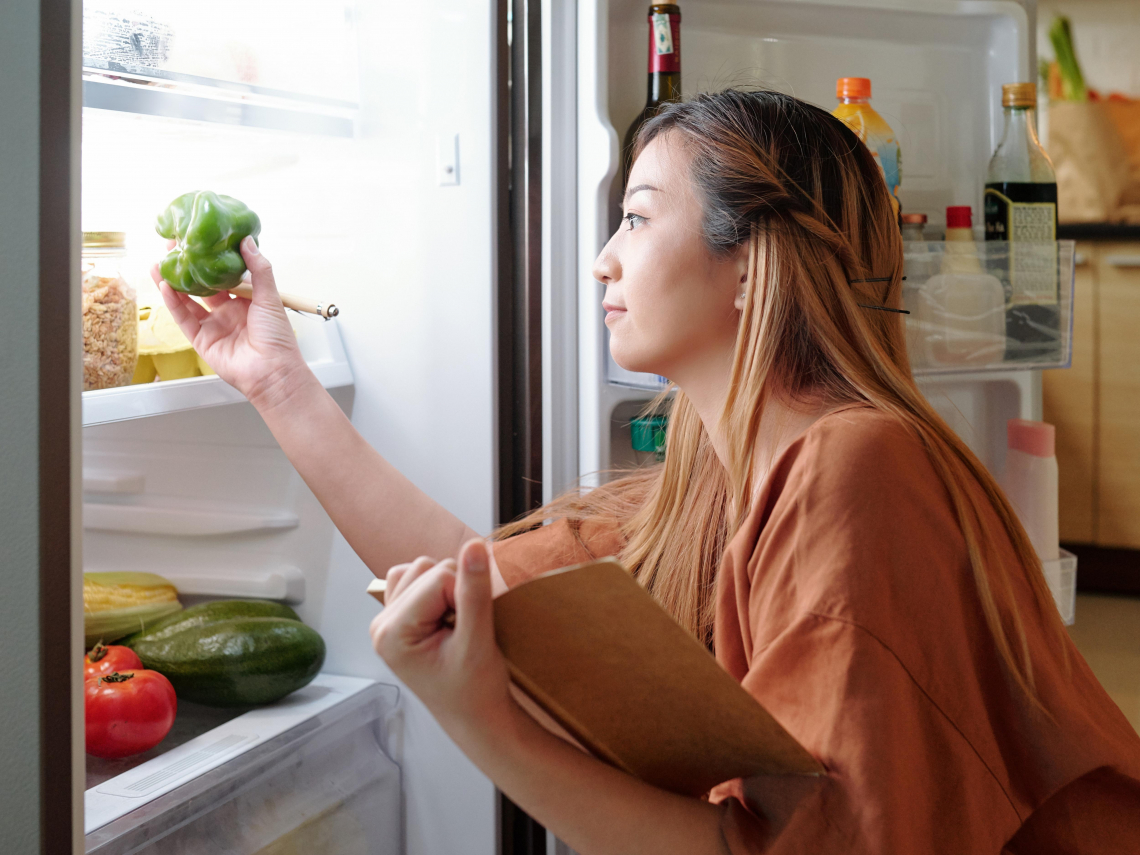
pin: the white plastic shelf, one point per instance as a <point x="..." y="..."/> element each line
<point x="321" y="345"/>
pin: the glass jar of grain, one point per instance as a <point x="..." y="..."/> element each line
<point x="110" y="314"/>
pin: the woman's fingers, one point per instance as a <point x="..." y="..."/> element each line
<point x="260" y="272"/>
<point x="215" y="301"/>
<point x="186" y="313"/>
<point x="473" y="611"/>
<point x="405" y="577"/>
<point x="417" y="615"/>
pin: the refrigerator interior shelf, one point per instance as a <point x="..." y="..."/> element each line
<point x="220" y="103"/>
<point x="283" y="582"/>
<point x="206" y="740"/>
<point x="321" y="346"/>
<point x="182" y="517"/>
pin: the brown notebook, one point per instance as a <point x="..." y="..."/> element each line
<point x="591" y="648"/>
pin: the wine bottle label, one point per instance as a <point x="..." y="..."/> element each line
<point x="664" y="42"/>
<point x="1025" y="214"/>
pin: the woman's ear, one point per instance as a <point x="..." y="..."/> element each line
<point x="741" y="264"/>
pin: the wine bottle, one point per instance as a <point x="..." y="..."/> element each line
<point x="1021" y="208"/>
<point x="664" y="74"/>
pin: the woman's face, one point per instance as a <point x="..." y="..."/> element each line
<point x="672" y="307"/>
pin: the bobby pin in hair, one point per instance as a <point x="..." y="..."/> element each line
<point x="879" y="308"/>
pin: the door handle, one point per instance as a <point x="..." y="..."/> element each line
<point x="1123" y="260"/>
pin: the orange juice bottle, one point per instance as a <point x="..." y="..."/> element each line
<point x="855" y="110"/>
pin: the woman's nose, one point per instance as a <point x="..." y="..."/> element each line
<point x="607" y="269"/>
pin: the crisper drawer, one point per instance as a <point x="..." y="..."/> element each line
<point x="308" y="774"/>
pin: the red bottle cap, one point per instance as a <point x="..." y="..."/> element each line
<point x="853" y="87"/>
<point x="959" y="217"/>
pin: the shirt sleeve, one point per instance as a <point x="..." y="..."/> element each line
<point x="900" y="778"/>
<point x="553" y="546"/>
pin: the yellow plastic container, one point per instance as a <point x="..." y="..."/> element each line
<point x="162" y="341"/>
<point x="145" y="371"/>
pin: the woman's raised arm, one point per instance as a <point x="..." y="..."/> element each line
<point x="250" y="344"/>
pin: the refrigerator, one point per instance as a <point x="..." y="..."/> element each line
<point x="444" y="173"/>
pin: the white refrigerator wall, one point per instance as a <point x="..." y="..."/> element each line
<point x="363" y="223"/>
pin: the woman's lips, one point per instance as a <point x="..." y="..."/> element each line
<point x="613" y="311"/>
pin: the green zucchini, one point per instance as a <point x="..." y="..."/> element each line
<point x="207" y="613"/>
<point x="236" y="661"/>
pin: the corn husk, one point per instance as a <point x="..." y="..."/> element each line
<point x="117" y="604"/>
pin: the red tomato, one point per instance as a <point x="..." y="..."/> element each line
<point x="107" y="659"/>
<point x="127" y="712"/>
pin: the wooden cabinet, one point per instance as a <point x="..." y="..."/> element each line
<point x="1095" y="404"/>
<point x="1118" y="454"/>
<point x="1070" y="405"/>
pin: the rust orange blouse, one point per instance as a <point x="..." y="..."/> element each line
<point x="846" y="605"/>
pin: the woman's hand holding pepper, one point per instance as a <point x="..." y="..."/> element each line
<point x="249" y="343"/>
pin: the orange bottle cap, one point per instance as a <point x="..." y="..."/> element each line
<point x="853" y="87"/>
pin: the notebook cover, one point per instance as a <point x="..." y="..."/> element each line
<point x="593" y="650"/>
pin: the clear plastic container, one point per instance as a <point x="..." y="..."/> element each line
<point x="290" y="781"/>
<point x="110" y="314"/>
<point x="959" y="294"/>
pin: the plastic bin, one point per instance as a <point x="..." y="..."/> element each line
<point x="1061" y="576"/>
<point x="988" y="306"/>
<point x="308" y="774"/>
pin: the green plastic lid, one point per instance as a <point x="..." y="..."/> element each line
<point x="648" y="433"/>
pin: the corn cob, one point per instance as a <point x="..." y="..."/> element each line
<point x="117" y="604"/>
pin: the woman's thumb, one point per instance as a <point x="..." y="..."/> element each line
<point x="260" y="270"/>
<point x="473" y="587"/>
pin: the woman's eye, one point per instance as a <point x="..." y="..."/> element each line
<point x="633" y="219"/>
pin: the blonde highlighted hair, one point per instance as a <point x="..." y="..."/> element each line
<point x="825" y="264"/>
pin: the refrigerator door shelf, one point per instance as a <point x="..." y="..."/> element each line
<point x="321" y="346"/>
<point x="284" y="583"/>
<point x="313" y="770"/>
<point x="183" y="518"/>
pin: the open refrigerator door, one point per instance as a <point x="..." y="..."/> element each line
<point x="363" y="135"/>
<point x="937" y="67"/>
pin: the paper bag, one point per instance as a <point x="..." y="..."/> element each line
<point x="1091" y="161"/>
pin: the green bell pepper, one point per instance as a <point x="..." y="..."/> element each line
<point x="209" y="229"/>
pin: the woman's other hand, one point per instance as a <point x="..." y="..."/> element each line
<point x="460" y="674"/>
<point x="249" y="343"/>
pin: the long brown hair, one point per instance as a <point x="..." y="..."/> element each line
<point x="798" y="188"/>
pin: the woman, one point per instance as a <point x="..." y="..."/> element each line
<point x="815" y="523"/>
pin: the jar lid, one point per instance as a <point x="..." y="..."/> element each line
<point x="1019" y="95"/>
<point x="853" y="87"/>
<point x="913" y="219"/>
<point x="108" y="240"/>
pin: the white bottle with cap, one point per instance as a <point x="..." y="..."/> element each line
<point x="1030" y="483"/>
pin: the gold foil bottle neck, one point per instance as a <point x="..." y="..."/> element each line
<point x="1019" y="95"/>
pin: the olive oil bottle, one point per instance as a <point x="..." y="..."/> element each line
<point x="1021" y="208"/>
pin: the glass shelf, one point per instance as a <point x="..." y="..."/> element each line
<point x="299" y="73"/>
